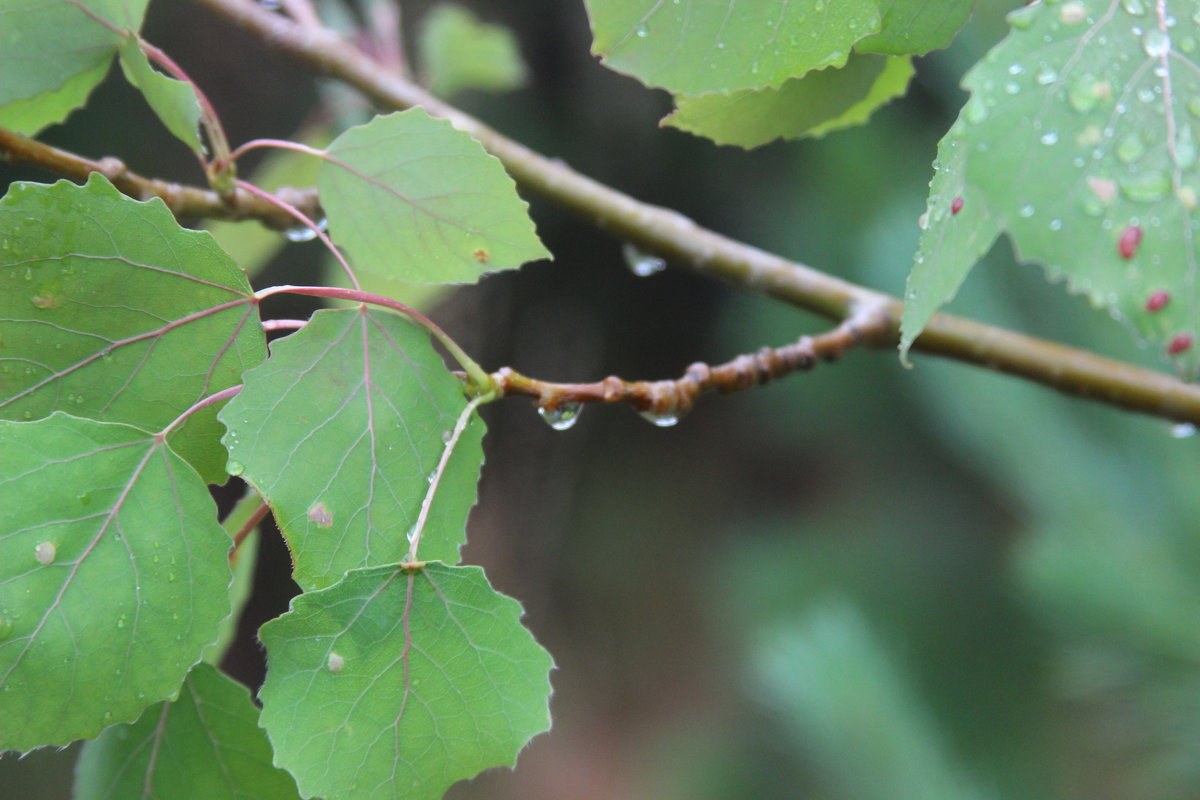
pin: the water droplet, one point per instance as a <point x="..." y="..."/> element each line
<point x="663" y="419"/>
<point x="1135" y="7"/>
<point x="1185" y="148"/>
<point x="562" y="416"/>
<point x="1072" y="13"/>
<point x="642" y="32"/>
<point x="235" y="468"/>
<point x="642" y="264"/>
<point x="1049" y="137"/>
<point x="1146" y="187"/>
<point x="335" y="663"/>
<point x="45" y="553"/>
<point x="1026" y="210"/>
<point x="6" y="626"/>
<point x="1022" y="18"/>
<point x="1056" y="224"/>
<point x="1156" y="43"/>
<point x="121" y="621"/>
<point x="1187" y="197"/>
<point x="303" y="233"/>
<point x="1183" y="430"/>
<point x="1046" y="76"/>
<point x="1011" y="87"/>
<point x="171" y="577"/>
<point x="1130" y="149"/>
<point x="976" y="110"/>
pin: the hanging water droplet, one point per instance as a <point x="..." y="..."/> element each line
<point x="1183" y="430"/>
<point x="562" y="416"/>
<point x="235" y="468"/>
<point x="1072" y="13"/>
<point x="303" y="233"/>
<point x="642" y="264"/>
<point x="1156" y="43"/>
<point x="663" y="419"/>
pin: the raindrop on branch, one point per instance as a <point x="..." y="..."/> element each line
<point x="303" y="233"/>
<point x="642" y="264"/>
<point x="562" y="416"/>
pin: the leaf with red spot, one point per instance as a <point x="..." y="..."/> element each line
<point x="395" y="683"/>
<point x="1081" y="139"/>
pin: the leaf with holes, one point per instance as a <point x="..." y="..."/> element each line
<point x="720" y="45"/>
<point x="814" y="105"/>
<point x="341" y="430"/>
<point x="173" y="101"/>
<point x="110" y="310"/>
<point x="410" y="197"/>
<point x="111" y="583"/>
<point x="396" y="683"/>
<point x="203" y="745"/>
<point x="1080" y="137"/>
<point x="458" y="51"/>
<point x="54" y="53"/>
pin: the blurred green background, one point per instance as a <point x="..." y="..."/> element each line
<point x="860" y="583"/>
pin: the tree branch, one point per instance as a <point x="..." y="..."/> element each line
<point x="668" y="234"/>
<point x="183" y="200"/>
<point x="665" y="402"/>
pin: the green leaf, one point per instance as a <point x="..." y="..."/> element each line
<point x="957" y="230"/>
<point x="110" y="310"/>
<point x="720" y="45"/>
<point x="916" y="26"/>
<point x="814" y="105"/>
<point x="111" y="582"/>
<point x="340" y="430"/>
<point x="205" y="745"/>
<point x="410" y="197"/>
<point x="52" y="54"/>
<point x="396" y="683"/>
<point x="173" y="101"/>
<point x="458" y="52"/>
<point x="1081" y="137"/>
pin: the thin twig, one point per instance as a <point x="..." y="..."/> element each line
<point x="184" y="201"/>
<point x="668" y="234"/>
<point x="668" y="400"/>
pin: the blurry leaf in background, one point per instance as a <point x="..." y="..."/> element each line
<point x="839" y="695"/>
<point x="819" y="103"/>
<point x="203" y="745"/>
<point x="173" y="101"/>
<point x="54" y="54"/>
<point x="458" y="51"/>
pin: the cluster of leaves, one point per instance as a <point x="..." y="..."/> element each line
<point x="134" y="370"/>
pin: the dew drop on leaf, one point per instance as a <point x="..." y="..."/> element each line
<point x="562" y="416"/>
<point x="1130" y="149"/>
<point x="1146" y="187"/>
<point x="1135" y="7"/>
<point x="303" y="233"/>
<point x="1156" y="43"/>
<point x="6" y="626"/>
<point x="235" y="468"/>
<point x="45" y="553"/>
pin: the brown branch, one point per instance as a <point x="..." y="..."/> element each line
<point x="259" y="514"/>
<point x="184" y="201"/>
<point x="668" y="234"/>
<point x="666" y="401"/>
